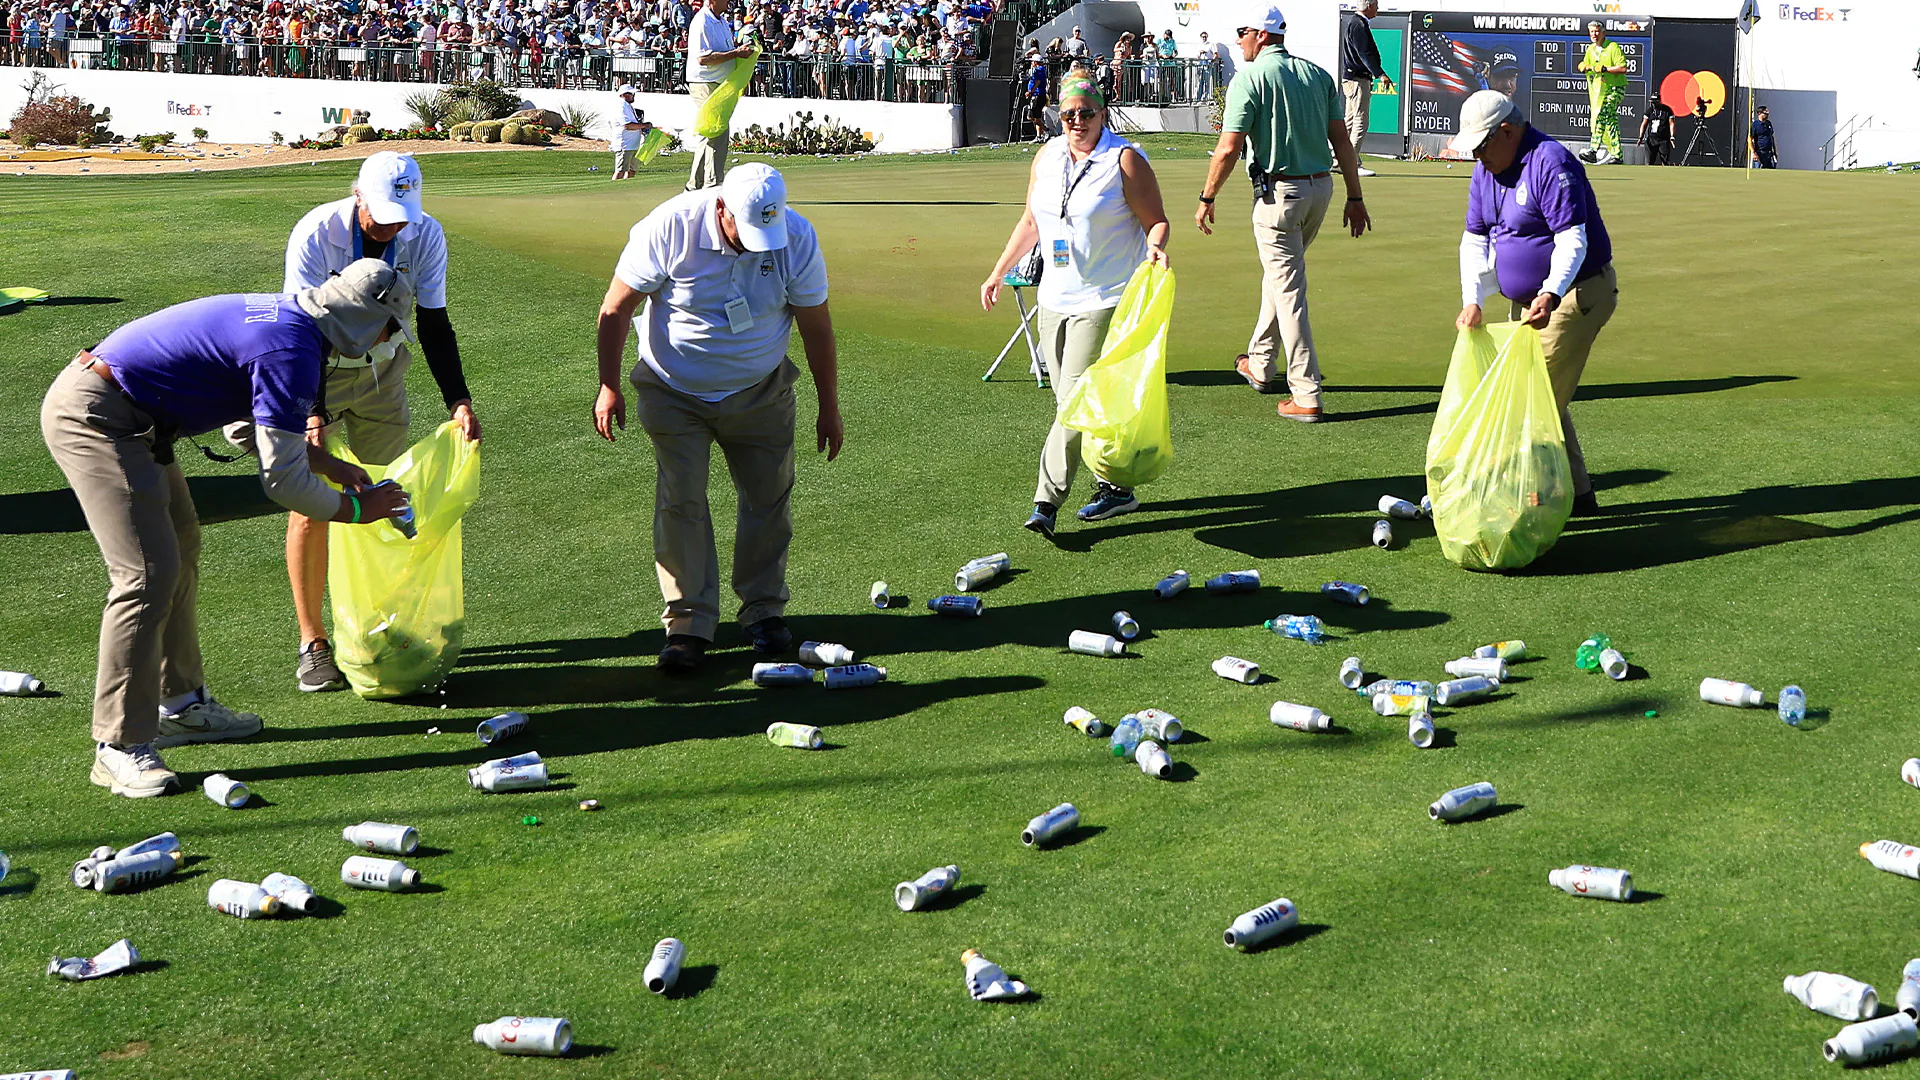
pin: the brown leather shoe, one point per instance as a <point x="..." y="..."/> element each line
<point x="683" y="653"/>
<point x="1301" y="413"/>
<point x="1242" y="364"/>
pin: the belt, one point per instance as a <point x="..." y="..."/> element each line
<point x="1298" y="179"/>
<point x="98" y="367"/>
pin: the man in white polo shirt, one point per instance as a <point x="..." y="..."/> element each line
<point x="710" y="57"/>
<point x="626" y="142"/>
<point x="365" y="400"/>
<point x="726" y="274"/>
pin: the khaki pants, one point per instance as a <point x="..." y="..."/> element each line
<point x="368" y="406"/>
<point x="709" y="155"/>
<point x="1567" y="340"/>
<point x="1359" y="95"/>
<point x="141" y="515"/>
<point x="1070" y="344"/>
<point x="755" y="431"/>
<point x="623" y="160"/>
<point x="1283" y="227"/>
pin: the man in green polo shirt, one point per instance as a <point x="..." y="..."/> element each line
<point x="1605" y="64"/>
<point x="1285" y="113"/>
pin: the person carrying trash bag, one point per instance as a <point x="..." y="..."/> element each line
<point x="1534" y="235"/>
<point x="1094" y="209"/>
<point x="110" y="421"/>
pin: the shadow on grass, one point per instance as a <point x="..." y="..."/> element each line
<point x="1292" y="935"/>
<point x="953" y="898"/>
<point x="1497" y="810"/>
<point x="19" y="883"/>
<point x="693" y="980"/>
<point x="611" y="727"/>
<point x="1080" y="835"/>
<point x="215" y="499"/>
<point x="1646" y="896"/>
<point x="588" y="1050"/>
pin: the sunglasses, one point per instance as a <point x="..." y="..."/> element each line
<point x="1243" y="31"/>
<point x="1082" y="115"/>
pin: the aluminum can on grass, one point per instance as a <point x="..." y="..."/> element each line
<point x="1833" y="994"/>
<point x="782" y="675"/>
<point x="1401" y="704"/>
<point x="853" y="676"/>
<point x="1352" y="673"/>
<point x="293" y="894"/>
<point x="1383" y="534"/>
<point x="1234" y="581"/>
<point x="1461" y="691"/>
<point x="1153" y="759"/>
<point x="1727" y="692"/>
<point x="1084" y="721"/>
<point x="533" y="1036"/>
<point x="501" y="778"/>
<point x="241" y="899"/>
<point x="1893" y="856"/>
<point x="1346" y="592"/>
<point x="1502" y="650"/>
<point x="226" y="791"/>
<point x="797" y="736"/>
<point x="925" y="889"/>
<point x="1237" y="670"/>
<point x="1261" y="924"/>
<point x="504" y="726"/>
<point x="1089" y="643"/>
<point x="1172" y="585"/>
<point x="1873" y="1040"/>
<point x="1125" y="626"/>
<point x="1485" y="666"/>
<point x="958" y="606"/>
<point x="1596" y="882"/>
<point x="825" y="654"/>
<point x="120" y="875"/>
<point x="1420" y="730"/>
<point x="1160" y="724"/>
<point x="383" y="875"/>
<point x="1463" y="802"/>
<point x="1395" y="507"/>
<point x="663" y="967"/>
<point x="1051" y="825"/>
<point x="1298" y="717"/>
<point x="114" y="959"/>
<point x="380" y="836"/>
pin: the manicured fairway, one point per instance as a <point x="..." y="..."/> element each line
<point x="1749" y="417"/>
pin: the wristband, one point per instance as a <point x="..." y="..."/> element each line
<point x="1206" y="199"/>
<point x="355" y="500"/>
<point x="1355" y="198"/>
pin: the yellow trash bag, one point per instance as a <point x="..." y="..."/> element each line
<point x="654" y="142"/>
<point x="399" y="605"/>
<point x="1120" y="403"/>
<point x="1497" y="460"/>
<point x="717" y="111"/>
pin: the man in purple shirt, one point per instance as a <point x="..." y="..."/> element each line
<point x="1534" y="235"/>
<point x="110" y="420"/>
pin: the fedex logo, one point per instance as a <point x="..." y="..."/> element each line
<point x="1795" y="13"/>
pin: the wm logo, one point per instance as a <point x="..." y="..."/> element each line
<point x="1606" y="9"/>
<point x="334" y="116"/>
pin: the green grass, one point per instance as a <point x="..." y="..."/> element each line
<point x="1749" y="417"/>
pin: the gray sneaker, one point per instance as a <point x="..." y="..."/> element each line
<point x="134" y="771"/>
<point x="318" y="672"/>
<point x="205" y="721"/>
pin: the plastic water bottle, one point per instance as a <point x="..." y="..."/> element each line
<point x="1160" y="724"/>
<point x="504" y="726"/>
<point x="798" y="736"/>
<point x="1587" y="656"/>
<point x="1172" y="585"/>
<point x="1793" y="705"/>
<point x="1404" y="687"/>
<point x="1834" y="995"/>
<point x="1261" y="924"/>
<point x="1307" y="628"/>
<point x="663" y="968"/>
<point x="1084" y="721"/>
<point x="1346" y="592"/>
<point x="1351" y="673"/>
<point x="1234" y="581"/>
<point x="960" y="606"/>
<point x="1126" y="736"/>
<point x="1873" y="1041"/>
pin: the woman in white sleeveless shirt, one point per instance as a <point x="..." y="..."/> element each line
<point x="1094" y="208"/>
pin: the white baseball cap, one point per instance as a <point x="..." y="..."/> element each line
<point x="756" y="196"/>
<point x="389" y="184"/>
<point x="1483" y="112"/>
<point x="624" y="90"/>
<point x="1264" y="16"/>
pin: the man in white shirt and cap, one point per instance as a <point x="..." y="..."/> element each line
<point x="726" y="274"/>
<point x="364" y="399"/>
<point x="626" y="142"/>
<point x="711" y="53"/>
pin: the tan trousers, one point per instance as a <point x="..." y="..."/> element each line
<point x="1566" y="341"/>
<point x="1283" y="227"/>
<point x="709" y="155"/>
<point x="1359" y="97"/>
<point x="755" y="431"/>
<point x="1070" y="344"/>
<point x="369" y="407"/>
<point x="141" y="515"/>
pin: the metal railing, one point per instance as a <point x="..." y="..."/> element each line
<point x="832" y="78"/>
<point x="1839" y="151"/>
<point x="1148" y="81"/>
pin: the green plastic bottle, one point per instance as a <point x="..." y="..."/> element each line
<point x="1587" y="656"/>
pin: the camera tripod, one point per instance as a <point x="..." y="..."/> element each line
<point x="1702" y="141"/>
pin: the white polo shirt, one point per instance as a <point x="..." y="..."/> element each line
<point x="323" y="244"/>
<point x="628" y="138"/>
<point x="708" y="34"/>
<point x="687" y="338"/>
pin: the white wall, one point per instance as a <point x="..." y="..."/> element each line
<point x="246" y="109"/>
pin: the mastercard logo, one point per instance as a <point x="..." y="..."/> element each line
<point x="1680" y="89"/>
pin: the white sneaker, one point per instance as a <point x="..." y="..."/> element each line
<point x="1364" y="171"/>
<point x="205" y="721"/>
<point x="134" y="771"/>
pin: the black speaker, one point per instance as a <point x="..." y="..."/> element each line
<point x="988" y="110"/>
<point x="1002" y="47"/>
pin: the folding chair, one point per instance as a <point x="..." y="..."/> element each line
<point x="1017" y="279"/>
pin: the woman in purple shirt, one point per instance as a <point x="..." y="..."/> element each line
<point x="1534" y="235"/>
<point x="110" y="420"/>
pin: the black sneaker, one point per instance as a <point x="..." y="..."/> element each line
<point x="317" y="671"/>
<point x="1042" y="519"/>
<point x="770" y="636"/>
<point x="1585" y="506"/>
<point x="683" y="653"/>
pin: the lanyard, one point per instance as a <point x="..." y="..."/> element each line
<point x="387" y="255"/>
<point x="1069" y="181"/>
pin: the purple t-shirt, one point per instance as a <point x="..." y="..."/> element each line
<point x="1543" y="192"/>
<point x="207" y="363"/>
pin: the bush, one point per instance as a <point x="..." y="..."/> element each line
<point x="461" y="132"/>
<point x="27" y="142"/>
<point x="827" y="138"/>
<point x="487" y="131"/>
<point x="149" y="143"/>
<point x="276" y="137"/>
<point x="200" y="134"/>
<point x="578" y="119"/>
<point x="52" y="117"/>
<point x="482" y="101"/>
<point x="359" y="133"/>
<point x="430" y="109"/>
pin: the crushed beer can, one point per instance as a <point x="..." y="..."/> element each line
<point x="986" y="981"/>
<point x="114" y="959"/>
<point x="925" y="889"/>
<point x="797" y="736"/>
<point x="1833" y="994"/>
<point x="1084" y="721"/>
<point x="1463" y="802"/>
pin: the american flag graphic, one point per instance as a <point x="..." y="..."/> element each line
<point x="1442" y="65"/>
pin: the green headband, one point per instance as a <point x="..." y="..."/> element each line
<point x="1081" y="87"/>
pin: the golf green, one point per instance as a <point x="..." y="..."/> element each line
<point x="1748" y="416"/>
